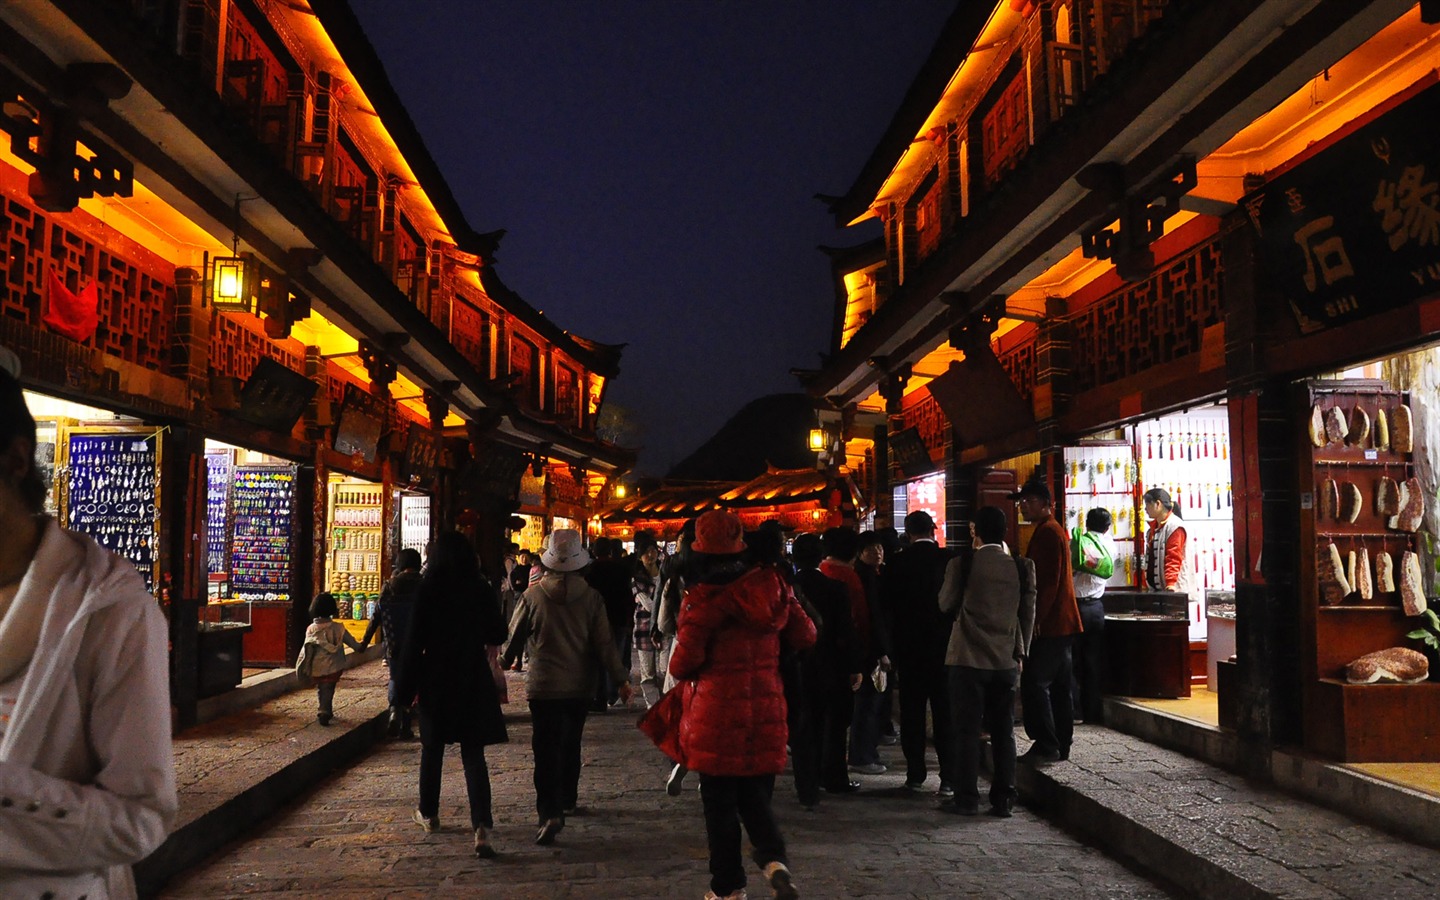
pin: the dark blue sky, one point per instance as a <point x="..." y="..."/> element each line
<point x="654" y="163"/>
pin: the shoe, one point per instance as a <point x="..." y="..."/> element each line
<point x="676" y="782"/>
<point x="1038" y="756"/>
<point x="1002" y="810"/>
<point x="889" y="740"/>
<point x="844" y="787"/>
<point x="546" y="835"/>
<point x="573" y="810"/>
<point x="945" y="790"/>
<point x="916" y="786"/>
<point x="734" y="895"/>
<point x="430" y="824"/>
<point x="323" y="718"/>
<point x="407" y="734"/>
<point x="482" y="844"/>
<point x="392" y="726"/>
<point x="781" y="887"/>
<point x="870" y="769"/>
<point x="959" y="807"/>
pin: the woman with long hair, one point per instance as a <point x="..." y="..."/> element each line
<point x="457" y="613"/>
<point x="1167" y="557"/>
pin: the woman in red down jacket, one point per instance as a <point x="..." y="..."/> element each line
<point x="732" y="622"/>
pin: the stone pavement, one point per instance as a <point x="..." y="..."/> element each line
<point x="1196" y="828"/>
<point x="351" y="835"/>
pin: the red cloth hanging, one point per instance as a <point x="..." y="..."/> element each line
<point x="73" y="315"/>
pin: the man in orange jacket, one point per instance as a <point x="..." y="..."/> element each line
<point x="1049" y="713"/>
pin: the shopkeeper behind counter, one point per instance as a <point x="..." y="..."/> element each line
<point x="1166" y="557"/>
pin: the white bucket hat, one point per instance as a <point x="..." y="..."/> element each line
<point x="565" y="553"/>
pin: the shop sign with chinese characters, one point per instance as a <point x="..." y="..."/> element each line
<point x="1355" y="229"/>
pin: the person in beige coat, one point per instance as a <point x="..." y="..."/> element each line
<point x="561" y="624"/>
<point x="994" y="609"/>
<point x="87" y="776"/>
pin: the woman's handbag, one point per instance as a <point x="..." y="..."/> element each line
<point x="661" y="722"/>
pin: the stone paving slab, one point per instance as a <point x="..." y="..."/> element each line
<point x="1217" y="833"/>
<point x="351" y="836"/>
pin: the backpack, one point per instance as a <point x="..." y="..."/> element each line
<point x="1086" y="544"/>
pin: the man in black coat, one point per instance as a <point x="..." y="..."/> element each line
<point x="610" y="576"/>
<point x="818" y="680"/>
<point x="912" y="589"/>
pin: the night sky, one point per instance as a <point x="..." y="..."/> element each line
<point x="654" y="163"/>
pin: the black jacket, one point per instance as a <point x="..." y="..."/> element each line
<point x="912" y="592"/>
<point x="444" y="660"/>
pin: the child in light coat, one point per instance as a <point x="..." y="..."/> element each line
<point x="330" y="639"/>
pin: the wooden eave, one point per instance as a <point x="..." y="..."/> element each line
<point x="669" y="501"/>
<point x="602" y="359"/>
<point x="958" y="35"/>
<point x="1041" y="206"/>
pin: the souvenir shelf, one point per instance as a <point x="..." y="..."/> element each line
<point x="356" y="543"/>
<point x="112" y="491"/>
<point x="261" y="506"/>
<point x="219" y="468"/>
<point x="1104" y="474"/>
<point x="1355" y="723"/>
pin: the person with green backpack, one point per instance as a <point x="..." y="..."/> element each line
<point x="1093" y="561"/>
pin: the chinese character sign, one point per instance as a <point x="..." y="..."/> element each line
<point x="928" y="494"/>
<point x="1355" y="229"/>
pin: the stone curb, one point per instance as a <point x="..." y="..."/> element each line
<point x="193" y="842"/>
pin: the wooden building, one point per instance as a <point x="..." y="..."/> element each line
<point x="1136" y="244"/>
<point x="237" y="280"/>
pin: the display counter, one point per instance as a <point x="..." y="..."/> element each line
<point x="1220" y="628"/>
<point x="1147" y="644"/>
<point x="218" y="656"/>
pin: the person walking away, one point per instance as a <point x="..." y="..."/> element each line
<point x="330" y="639"/>
<point x="735" y="620"/>
<point x="561" y="623"/>
<point x="1045" y="681"/>
<point x="645" y="575"/>
<point x="912" y="588"/>
<point x="611" y="576"/>
<point x="669" y="593"/>
<point x="457" y="613"/>
<point x="994" y="609"/>
<point x="1092" y="556"/>
<point x="820" y="677"/>
<point x="865" y="724"/>
<point x="84" y="693"/>
<point x="840" y="545"/>
<point x="394" y="612"/>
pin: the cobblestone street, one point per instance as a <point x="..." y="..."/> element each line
<point x="352" y="837"/>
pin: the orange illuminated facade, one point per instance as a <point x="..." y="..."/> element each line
<point x="1101" y="220"/>
<point x="225" y="237"/>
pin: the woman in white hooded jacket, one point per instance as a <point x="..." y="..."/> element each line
<point x="87" y="776"/>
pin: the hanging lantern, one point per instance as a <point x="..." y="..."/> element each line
<point x="231" y="283"/>
<point x="818" y="441"/>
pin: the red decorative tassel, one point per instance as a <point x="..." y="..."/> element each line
<point x="73" y="315"/>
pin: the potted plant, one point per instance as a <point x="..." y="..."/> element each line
<point x="1429" y="634"/>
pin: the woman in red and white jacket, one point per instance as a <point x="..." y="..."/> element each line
<point x="1167" y="559"/>
<point x="733" y="621"/>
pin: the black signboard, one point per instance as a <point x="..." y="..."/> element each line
<point x="422" y="454"/>
<point x="909" y="454"/>
<point x="362" y="421"/>
<point x="1355" y="229"/>
<point x="274" y="397"/>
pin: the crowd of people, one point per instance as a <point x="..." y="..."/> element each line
<point x="748" y="657"/>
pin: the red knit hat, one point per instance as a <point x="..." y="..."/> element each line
<point x="719" y="533"/>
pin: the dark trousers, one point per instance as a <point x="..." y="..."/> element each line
<point x="922" y="686"/>
<point x="1045" y="694"/>
<point x="325" y="696"/>
<point x="1088" y="691"/>
<point x="986" y="695"/>
<point x="557" y="726"/>
<point x="477" y="774"/>
<point x="865" y="725"/>
<point x="832" y="713"/>
<point x="730" y="801"/>
<point x="804" y="728"/>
